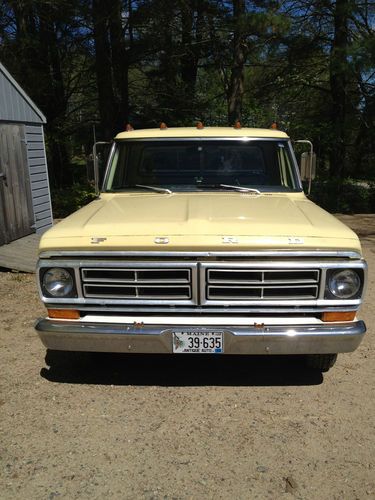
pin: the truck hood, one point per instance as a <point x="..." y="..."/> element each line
<point x="199" y="221"/>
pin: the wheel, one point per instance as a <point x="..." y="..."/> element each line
<point x="321" y="362"/>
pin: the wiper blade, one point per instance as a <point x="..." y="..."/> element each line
<point x="154" y="188"/>
<point x="242" y="189"/>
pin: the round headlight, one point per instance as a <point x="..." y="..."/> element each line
<point x="344" y="283"/>
<point x="58" y="282"/>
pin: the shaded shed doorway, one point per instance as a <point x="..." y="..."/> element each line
<point x="16" y="210"/>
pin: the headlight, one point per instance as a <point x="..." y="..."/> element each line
<point x="344" y="283"/>
<point x="58" y="282"/>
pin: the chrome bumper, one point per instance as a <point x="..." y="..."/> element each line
<point x="284" y="339"/>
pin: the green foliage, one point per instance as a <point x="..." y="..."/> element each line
<point x="94" y="66"/>
<point x="346" y="196"/>
<point x="65" y="201"/>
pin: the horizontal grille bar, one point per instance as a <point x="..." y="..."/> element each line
<point x="262" y="276"/>
<point x="144" y="292"/>
<point x="136" y="275"/>
<point x="252" y="292"/>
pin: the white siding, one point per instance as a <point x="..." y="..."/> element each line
<point x="36" y="159"/>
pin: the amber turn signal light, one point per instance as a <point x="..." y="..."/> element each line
<point x="338" y="316"/>
<point x="63" y="313"/>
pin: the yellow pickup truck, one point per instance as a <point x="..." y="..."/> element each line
<point x="201" y="240"/>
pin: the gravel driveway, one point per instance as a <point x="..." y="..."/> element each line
<point x="129" y="427"/>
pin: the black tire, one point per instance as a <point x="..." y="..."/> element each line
<point x="321" y="362"/>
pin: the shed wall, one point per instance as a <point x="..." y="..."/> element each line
<point x="36" y="160"/>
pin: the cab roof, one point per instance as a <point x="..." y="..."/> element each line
<point x="207" y="132"/>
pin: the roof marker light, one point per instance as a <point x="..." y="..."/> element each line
<point x="237" y="125"/>
<point x="200" y="126"/>
<point x="163" y="126"/>
<point x="274" y="126"/>
<point x="128" y="127"/>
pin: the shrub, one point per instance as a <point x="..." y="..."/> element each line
<point x="346" y="196"/>
<point x="67" y="200"/>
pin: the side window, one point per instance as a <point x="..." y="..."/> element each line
<point x="113" y="181"/>
<point x="285" y="167"/>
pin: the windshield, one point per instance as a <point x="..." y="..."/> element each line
<point x="194" y="165"/>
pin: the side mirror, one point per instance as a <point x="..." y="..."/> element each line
<point x="96" y="164"/>
<point x="308" y="164"/>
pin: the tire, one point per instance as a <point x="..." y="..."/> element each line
<point x="321" y="362"/>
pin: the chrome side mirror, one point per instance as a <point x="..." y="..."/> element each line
<point x="308" y="164"/>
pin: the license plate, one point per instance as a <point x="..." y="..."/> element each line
<point x="198" y="342"/>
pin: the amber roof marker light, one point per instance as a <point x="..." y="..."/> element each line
<point x="128" y="128"/>
<point x="163" y="126"/>
<point x="237" y="125"/>
<point x="200" y="126"/>
<point x="274" y="126"/>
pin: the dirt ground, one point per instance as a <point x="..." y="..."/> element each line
<point x="129" y="427"/>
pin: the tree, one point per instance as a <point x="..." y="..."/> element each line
<point x="338" y="77"/>
<point x="103" y="66"/>
<point x="307" y="64"/>
<point x="236" y="84"/>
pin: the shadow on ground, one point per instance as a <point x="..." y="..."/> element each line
<point x="177" y="370"/>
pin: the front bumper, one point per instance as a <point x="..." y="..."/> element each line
<point x="321" y="338"/>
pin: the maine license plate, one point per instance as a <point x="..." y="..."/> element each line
<point x="198" y="342"/>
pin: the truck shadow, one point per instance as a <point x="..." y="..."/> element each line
<point x="178" y="370"/>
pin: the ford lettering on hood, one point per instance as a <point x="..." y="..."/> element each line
<point x="136" y="219"/>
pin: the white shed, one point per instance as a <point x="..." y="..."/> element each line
<point x="25" y="200"/>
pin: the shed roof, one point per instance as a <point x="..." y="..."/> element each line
<point x="15" y="104"/>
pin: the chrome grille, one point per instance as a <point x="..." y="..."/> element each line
<point x="149" y="283"/>
<point x="247" y="284"/>
<point x="198" y="283"/>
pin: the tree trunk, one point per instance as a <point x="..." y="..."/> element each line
<point x="188" y="59"/>
<point x="55" y="100"/>
<point x="103" y="67"/>
<point x="236" y="84"/>
<point x="338" y="83"/>
<point x="191" y="37"/>
<point x="120" y="64"/>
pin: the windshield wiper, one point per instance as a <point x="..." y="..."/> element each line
<point x="154" y="188"/>
<point x="243" y="189"/>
